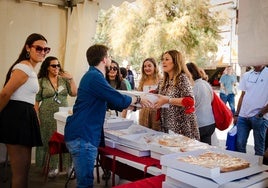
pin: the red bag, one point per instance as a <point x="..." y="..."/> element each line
<point x="222" y="114"/>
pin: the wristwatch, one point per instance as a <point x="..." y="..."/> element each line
<point x="260" y="115"/>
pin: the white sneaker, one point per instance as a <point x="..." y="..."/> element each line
<point x="53" y="173"/>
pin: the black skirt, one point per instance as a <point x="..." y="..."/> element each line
<point x="19" y="124"/>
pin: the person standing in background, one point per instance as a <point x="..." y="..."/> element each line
<point x="55" y="86"/>
<point x="176" y="90"/>
<point x="227" y="88"/>
<point x="84" y="127"/>
<point x="130" y="77"/>
<point x="123" y="72"/>
<point x="114" y="78"/>
<point x="19" y="125"/>
<point x="150" y="78"/>
<point x="203" y="95"/>
<point x="252" y="109"/>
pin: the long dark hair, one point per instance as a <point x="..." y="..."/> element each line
<point x="118" y="78"/>
<point x="193" y="69"/>
<point x="23" y="55"/>
<point x="43" y="72"/>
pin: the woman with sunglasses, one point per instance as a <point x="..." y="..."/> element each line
<point x="114" y="78"/>
<point x="55" y="86"/>
<point x="19" y="126"/>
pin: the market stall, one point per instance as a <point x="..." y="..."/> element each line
<point x="135" y="152"/>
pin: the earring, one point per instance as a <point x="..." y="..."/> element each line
<point x="28" y="55"/>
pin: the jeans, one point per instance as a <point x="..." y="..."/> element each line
<point x="83" y="155"/>
<point x="230" y="98"/>
<point x="259" y="126"/>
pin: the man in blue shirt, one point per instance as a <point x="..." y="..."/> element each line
<point x="84" y="128"/>
<point x="227" y="91"/>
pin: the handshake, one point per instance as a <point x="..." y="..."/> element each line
<point x="157" y="101"/>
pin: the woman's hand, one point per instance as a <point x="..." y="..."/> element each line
<point x="66" y="75"/>
<point x="145" y="102"/>
<point x="162" y="99"/>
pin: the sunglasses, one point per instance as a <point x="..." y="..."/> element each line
<point x="39" y="49"/>
<point x="114" y="68"/>
<point x="56" y="65"/>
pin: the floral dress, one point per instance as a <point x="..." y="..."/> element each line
<point x="174" y="118"/>
<point x="50" y="101"/>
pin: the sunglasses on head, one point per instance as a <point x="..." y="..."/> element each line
<point x="39" y="49"/>
<point x="114" y="68"/>
<point x="56" y="65"/>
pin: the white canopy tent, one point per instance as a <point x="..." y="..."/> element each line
<point x="69" y="30"/>
<point x="70" y="33"/>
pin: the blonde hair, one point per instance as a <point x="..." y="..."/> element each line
<point x="144" y="76"/>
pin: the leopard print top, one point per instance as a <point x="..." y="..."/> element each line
<point x="174" y="117"/>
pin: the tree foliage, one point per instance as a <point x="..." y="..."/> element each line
<point x="147" y="28"/>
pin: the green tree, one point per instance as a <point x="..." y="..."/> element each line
<point x="147" y="28"/>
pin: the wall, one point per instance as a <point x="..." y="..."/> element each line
<point x="18" y="20"/>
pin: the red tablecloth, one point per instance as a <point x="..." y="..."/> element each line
<point x="123" y="170"/>
<point x="147" y="161"/>
<point x="153" y="182"/>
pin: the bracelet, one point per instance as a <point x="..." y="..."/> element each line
<point x="169" y="100"/>
<point x="138" y="99"/>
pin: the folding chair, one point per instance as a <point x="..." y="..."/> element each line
<point x="56" y="145"/>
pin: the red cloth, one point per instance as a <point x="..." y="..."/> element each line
<point x="189" y="110"/>
<point x="56" y="144"/>
<point x="187" y="102"/>
<point x="152" y="182"/>
<point x="147" y="161"/>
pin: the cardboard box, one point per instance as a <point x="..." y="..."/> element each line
<point x="170" y="182"/>
<point x="117" y="123"/>
<point x="156" y="155"/>
<point x="134" y="151"/>
<point x="157" y="148"/>
<point x="136" y="136"/>
<point x="184" y="144"/>
<point x="214" y="174"/>
<point x="168" y="185"/>
<point x="257" y="180"/>
<point x="110" y="143"/>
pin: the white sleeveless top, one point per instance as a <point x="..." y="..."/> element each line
<point x="148" y="88"/>
<point x="29" y="89"/>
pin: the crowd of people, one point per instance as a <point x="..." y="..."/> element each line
<point x="28" y="102"/>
